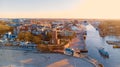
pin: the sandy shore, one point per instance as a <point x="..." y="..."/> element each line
<point x="13" y="58"/>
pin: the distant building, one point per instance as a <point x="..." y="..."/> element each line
<point x="40" y="22"/>
<point x="16" y="20"/>
<point x="9" y="35"/>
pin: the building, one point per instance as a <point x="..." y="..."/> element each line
<point x="40" y="22"/>
<point x="55" y="39"/>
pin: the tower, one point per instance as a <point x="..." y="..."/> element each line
<point x="55" y="39"/>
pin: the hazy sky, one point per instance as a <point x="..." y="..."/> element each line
<point x="108" y="9"/>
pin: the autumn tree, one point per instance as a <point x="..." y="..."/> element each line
<point x="26" y="36"/>
<point x="21" y="36"/>
<point x="4" y="28"/>
<point x="36" y="39"/>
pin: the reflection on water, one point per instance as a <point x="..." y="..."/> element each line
<point x="94" y="41"/>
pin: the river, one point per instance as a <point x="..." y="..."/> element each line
<point x="94" y="41"/>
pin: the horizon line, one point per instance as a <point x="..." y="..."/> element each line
<point x="58" y="18"/>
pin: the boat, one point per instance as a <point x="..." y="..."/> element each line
<point x="103" y="52"/>
<point x="116" y="46"/>
<point x="68" y="51"/>
<point x="113" y="42"/>
<point x="84" y="51"/>
<point x="100" y="65"/>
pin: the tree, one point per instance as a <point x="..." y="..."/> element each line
<point x="21" y="36"/>
<point x="26" y="36"/>
<point x="4" y="28"/>
<point x="43" y="48"/>
<point x="36" y="39"/>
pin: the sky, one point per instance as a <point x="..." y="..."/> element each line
<point x="89" y="9"/>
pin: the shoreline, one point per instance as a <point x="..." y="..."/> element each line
<point x="53" y="59"/>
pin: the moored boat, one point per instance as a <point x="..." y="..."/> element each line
<point x="113" y="42"/>
<point x="103" y="52"/>
<point x="116" y="46"/>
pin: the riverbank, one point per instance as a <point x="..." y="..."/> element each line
<point x="15" y="58"/>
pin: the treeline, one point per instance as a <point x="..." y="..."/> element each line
<point x="27" y="36"/>
<point x="109" y="28"/>
<point x="4" y="28"/>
